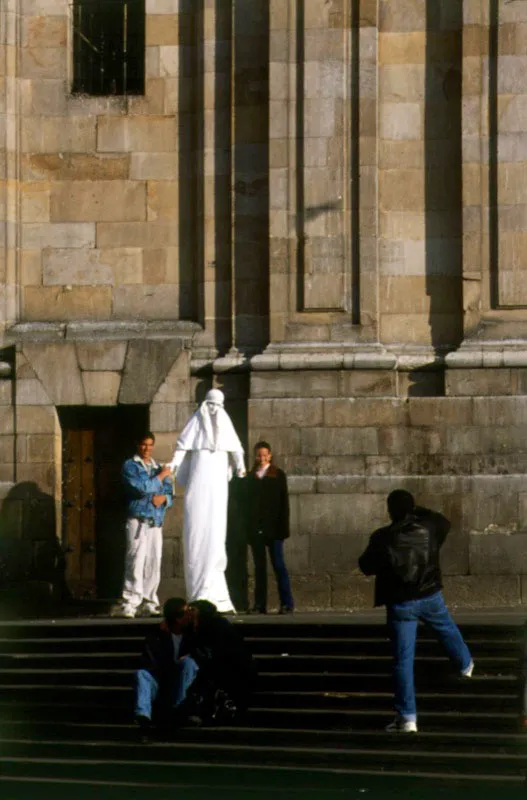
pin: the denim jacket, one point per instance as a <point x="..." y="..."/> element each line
<point x="141" y="485"/>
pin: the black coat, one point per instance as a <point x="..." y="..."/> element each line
<point x="268" y="505"/>
<point x="428" y="531"/>
<point x="158" y="655"/>
<point x="223" y="658"/>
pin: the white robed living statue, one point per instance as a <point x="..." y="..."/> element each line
<point x="208" y="451"/>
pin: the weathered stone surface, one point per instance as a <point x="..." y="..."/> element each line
<point x="123" y="213"/>
<point x="36" y="419"/>
<point x="171" y="587"/>
<point x="475" y="591"/>
<point x="101" y="388"/>
<point x="477" y="382"/>
<point x="351" y="592"/>
<point x="170" y="417"/>
<point x="146" y="302"/>
<point x="500" y="411"/>
<point x="368" y="383"/>
<point x="58" y="371"/>
<point x="101" y="356"/>
<point x="311" y="592"/>
<point x="304" y="413"/>
<point x="284" y="441"/>
<point x="340" y="441"/>
<point x="137" y="234"/>
<point x="71" y="134"/>
<point x="498" y="554"/>
<point x="73" y="167"/>
<point x="6" y="392"/>
<point x="92" y="267"/>
<point x="136" y="134"/>
<point x="6" y="420"/>
<point x="49" y="304"/>
<point x="40" y="448"/>
<point x="30" y="392"/>
<point x="151" y="360"/>
<point x="337" y="553"/>
<point x="340" y="484"/>
<point x="295" y="384"/>
<point x="37" y="236"/>
<point x="441" y="411"/>
<point x="98" y="201"/>
<point x="364" y="412"/>
<point x="341" y="515"/>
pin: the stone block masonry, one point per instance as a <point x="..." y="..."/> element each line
<point x="463" y="456"/>
<point x="319" y="206"/>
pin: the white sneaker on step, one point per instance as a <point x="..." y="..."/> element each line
<point x="148" y="611"/>
<point x="125" y="612"/>
<point x="468" y="672"/>
<point x="401" y="725"/>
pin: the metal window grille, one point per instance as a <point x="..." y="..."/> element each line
<point x="109" y="47"/>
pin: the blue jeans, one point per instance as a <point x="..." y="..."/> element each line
<point x="147" y="687"/>
<point x="402" y="623"/>
<point x="259" y="548"/>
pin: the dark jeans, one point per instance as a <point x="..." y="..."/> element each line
<point x="403" y="619"/>
<point x="147" y="687"/>
<point x="236" y="573"/>
<point x="276" y="553"/>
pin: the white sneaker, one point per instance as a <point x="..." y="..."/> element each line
<point x="124" y="612"/>
<point x="148" y="611"/>
<point x="401" y="725"/>
<point x="468" y="672"/>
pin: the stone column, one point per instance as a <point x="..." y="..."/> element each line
<point x="494" y="169"/>
<point x="10" y="32"/>
<point x="323" y="170"/>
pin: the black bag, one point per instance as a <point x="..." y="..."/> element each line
<point x="408" y="551"/>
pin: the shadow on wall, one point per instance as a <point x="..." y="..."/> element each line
<point x="443" y="184"/>
<point x="32" y="564"/>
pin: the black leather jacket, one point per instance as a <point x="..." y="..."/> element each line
<point x="428" y="530"/>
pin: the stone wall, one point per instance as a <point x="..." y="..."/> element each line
<point x="99" y="209"/>
<point x="420" y="45"/>
<point x="346" y="440"/>
<point x="333" y="193"/>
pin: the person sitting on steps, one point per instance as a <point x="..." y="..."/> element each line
<point x="221" y="692"/>
<point x="166" y="672"/>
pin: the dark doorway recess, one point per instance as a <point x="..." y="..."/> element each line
<point x="95" y="443"/>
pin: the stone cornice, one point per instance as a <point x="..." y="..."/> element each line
<point x="102" y="331"/>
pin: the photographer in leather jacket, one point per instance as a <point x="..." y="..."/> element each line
<point x="404" y="557"/>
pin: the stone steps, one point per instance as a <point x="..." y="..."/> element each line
<point x="322" y="701"/>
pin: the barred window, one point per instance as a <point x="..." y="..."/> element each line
<point x="108" y="47"/>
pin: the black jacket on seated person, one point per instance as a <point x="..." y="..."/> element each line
<point x="223" y="659"/>
<point x="268" y="505"/>
<point x="404" y="557"/>
<point x="157" y="657"/>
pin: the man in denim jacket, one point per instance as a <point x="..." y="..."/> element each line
<point x="148" y="489"/>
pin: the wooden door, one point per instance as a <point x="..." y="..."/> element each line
<point x="79" y="522"/>
<point x="96" y="442"/>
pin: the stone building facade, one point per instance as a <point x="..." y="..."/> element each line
<point x="318" y="205"/>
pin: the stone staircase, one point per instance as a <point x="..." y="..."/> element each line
<point x="323" y="698"/>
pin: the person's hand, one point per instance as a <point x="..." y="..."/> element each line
<point x="166" y="472"/>
<point x="159" y="500"/>
<point x="241" y="473"/>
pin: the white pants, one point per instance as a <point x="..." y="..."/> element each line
<point x="142" y="564"/>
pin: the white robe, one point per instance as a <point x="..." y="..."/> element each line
<point x="204" y="469"/>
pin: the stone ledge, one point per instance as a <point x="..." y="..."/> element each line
<point x="489" y="355"/>
<point x="103" y="330"/>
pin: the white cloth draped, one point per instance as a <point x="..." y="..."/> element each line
<point x="206" y="452"/>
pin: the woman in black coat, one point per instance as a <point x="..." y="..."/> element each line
<point x="268" y="518"/>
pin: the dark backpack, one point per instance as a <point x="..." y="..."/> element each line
<point x="408" y="551"/>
